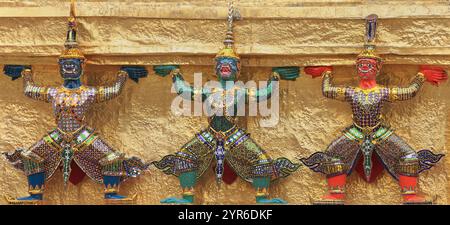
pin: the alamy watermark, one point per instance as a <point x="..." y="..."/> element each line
<point x="228" y="99"/>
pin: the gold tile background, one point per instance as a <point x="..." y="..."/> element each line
<point x="140" y="122"/>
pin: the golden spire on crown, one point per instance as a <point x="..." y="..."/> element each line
<point x="71" y="50"/>
<point x="228" y="49"/>
<point x="369" y="45"/>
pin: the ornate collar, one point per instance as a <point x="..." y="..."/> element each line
<point x="375" y="89"/>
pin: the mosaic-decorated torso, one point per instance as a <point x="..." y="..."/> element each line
<point x="224" y="107"/>
<point x="225" y="104"/>
<point x="367" y="105"/>
<point x="70" y="106"/>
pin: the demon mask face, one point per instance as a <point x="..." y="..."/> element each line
<point x="368" y="68"/>
<point x="227" y="68"/>
<point x="71" y="69"/>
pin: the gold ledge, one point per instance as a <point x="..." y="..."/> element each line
<point x="124" y="201"/>
<point x="14" y="201"/>
<point x="249" y="10"/>
<point x="329" y="202"/>
<point x="426" y="202"/>
<point x="246" y="61"/>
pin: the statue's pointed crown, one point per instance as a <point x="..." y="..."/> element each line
<point x="71" y="50"/>
<point x="228" y="49"/>
<point x="369" y="45"/>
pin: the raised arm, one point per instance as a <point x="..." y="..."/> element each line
<point x="261" y="94"/>
<point x="432" y="74"/>
<point x="328" y="89"/>
<point x="30" y="88"/>
<point x="284" y="73"/>
<point x="34" y="91"/>
<point x="331" y="91"/>
<point x="405" y="93"/>
<point x="182" y="88"/>
<point x="105" y="93"/>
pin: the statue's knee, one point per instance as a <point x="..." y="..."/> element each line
<point x="112" y="164"/>
<point x="334" y="167"/>
<point x="408" y="165"/>
<point x="32" y="163"/>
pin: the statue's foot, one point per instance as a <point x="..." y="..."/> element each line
<point x="264" y="200"/>
<point x="330" y="199"/>
<point x="416" y="200"/>
<point x="115" y="198"/>
<point x="174" y="200"/>
<point x="28" y="200"/>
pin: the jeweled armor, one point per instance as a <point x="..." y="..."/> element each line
<point x="73" y="146"/>
<point x="230" y="145"/>
<point x="73" y="139"/>
<point x="223" y="139"/>
<point x="369" y="134"/>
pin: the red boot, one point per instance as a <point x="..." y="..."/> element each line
<point x="336" y="191"/>
<point x="408" y="186"/>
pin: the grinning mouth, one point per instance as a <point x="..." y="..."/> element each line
<point x="225" y="70"/>
<point x="69" y="69"/>
<point x="364" y="70"/>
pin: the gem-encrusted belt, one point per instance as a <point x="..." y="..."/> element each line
<point x="232" y="137"/>
<point x="69" y="143"/>
<point x="368" y="146"/>
<point x="367" y="130"/>
<point x="223" y="134"/>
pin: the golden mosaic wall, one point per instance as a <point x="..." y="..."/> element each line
<point x="285" y="32"/>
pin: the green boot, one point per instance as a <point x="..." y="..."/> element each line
<point x="261" y="184"/>
<point x="187" y="181"/>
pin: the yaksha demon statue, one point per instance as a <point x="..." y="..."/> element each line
<point x="231" y="146"/>
<point x="369" y="142"/>
<point x="72" y="146"/>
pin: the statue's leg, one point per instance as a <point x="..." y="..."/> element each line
<point x="336" y="162"/>
<point x="188" y="164"/>
<point x="261" y="185"/>
<point x="39" y="162"/>
<point x="252" y="163"/>
<point x="336" y="190"/>
<point x="36" y="177"/>
<point x="112" y="172"/>
<point x="112" y="190"/>
<point x="187" y="182"/>
<point x="402" y="163"/>
<point x="35" y="189"/>
<point x="103" y="164"/>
